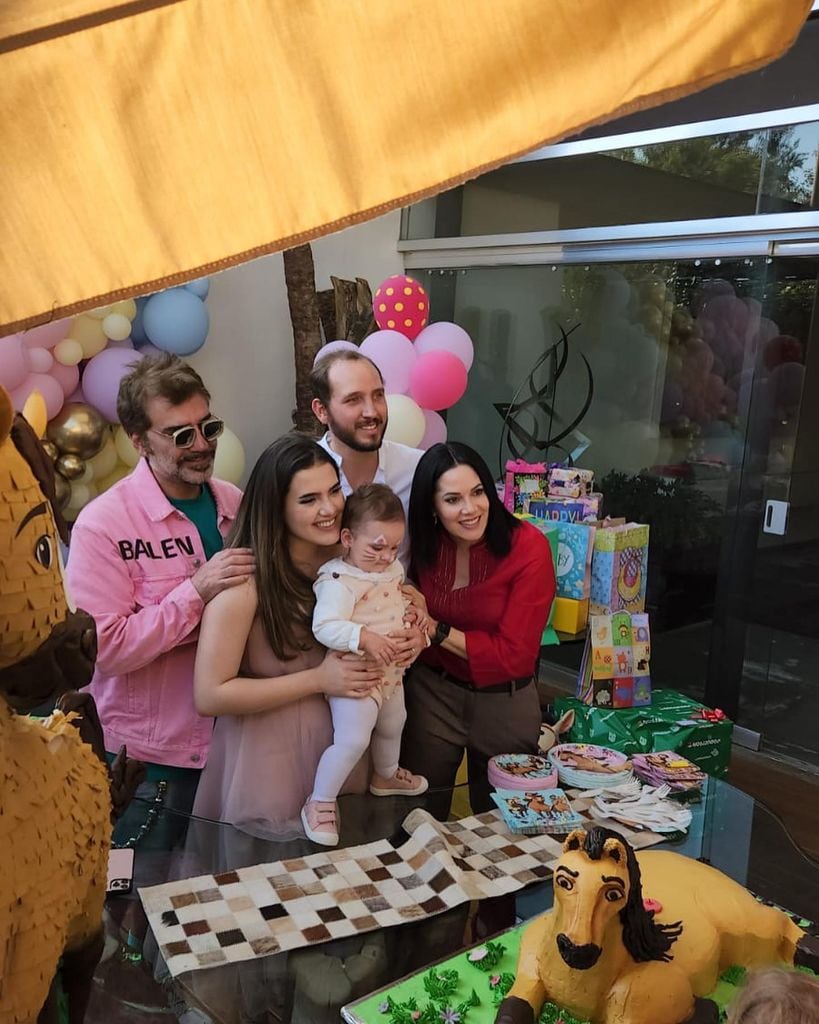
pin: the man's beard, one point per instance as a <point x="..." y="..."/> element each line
<point x="351" y="440"/>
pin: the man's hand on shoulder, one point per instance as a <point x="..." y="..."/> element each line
<point x="227" y="568"/>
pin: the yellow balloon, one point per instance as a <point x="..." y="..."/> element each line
<point x="116" y="326"/>
<point x="34" y="411"/>
<point x="125" y="307"/>
<point x="69" y="514"/>
<point x="106" y="459"/>
<point x="100" y="313"/>
<point x="81" y="494"/>
<point x="78" y="429"/>
<point x="112" y="478"/>
<point x="68" y="352"/>
<point x="230" y="458"/>
<point x="406" y="423"/>
<point x="125" y="449"/>
<point x="89" y="333"/>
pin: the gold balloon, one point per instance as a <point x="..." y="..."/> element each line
<point x="78" y="429"/>
<point x="63" y="490"/>
<point x="71" y="467"/>
<point x="51" y="450"/>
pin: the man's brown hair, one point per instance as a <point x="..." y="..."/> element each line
<point x="372" y="503"/>
<point x="320" y="374"/>
<point x="164" y="376"/>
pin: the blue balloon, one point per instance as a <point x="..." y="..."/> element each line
<point x="200" y="287"/>
<point x="176" y="321"/>
<point x="138" y="335"/>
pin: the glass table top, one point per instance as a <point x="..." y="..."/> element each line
<point x="308" y="986"/>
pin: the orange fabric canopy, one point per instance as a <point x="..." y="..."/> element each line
<point x="148" y="143"/>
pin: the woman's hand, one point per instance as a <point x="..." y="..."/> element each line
<point x="417" y="613"/>
<point x="408" y="645"/>
<point x="348" y="675"/>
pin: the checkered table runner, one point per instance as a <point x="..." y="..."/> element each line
<point x="264" y="909"/>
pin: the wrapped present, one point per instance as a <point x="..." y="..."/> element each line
<point x="569" y="616"/>
<point x="619" y="569"/>
<point x="575" y="546"/>
<point x="570" y="482"/>
<point x="550" y="532"/>
<point x="614" y="672"/>
<point x="672" y="722"/>
<point x="566" y="510"/>
<point x="525" y="482"/>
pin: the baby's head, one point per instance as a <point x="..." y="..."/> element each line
<point x="372" y="527"/>
<point x="776" y="997"/>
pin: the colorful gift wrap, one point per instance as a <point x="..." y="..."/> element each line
<point x="619" y="569"/>
<point x="575" y="546"/>
<point x="570" y="482"/>
<point x="614" y="672"/>
<point x="565" y="510"/>
<point x="672" y="722"/>
<point x="569" y="616"/>
<point x="525" y="483"/>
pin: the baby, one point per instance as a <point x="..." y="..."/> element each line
<point x="358" y="602"/>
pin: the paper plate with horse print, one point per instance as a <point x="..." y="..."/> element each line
<point x="587" y="766"/>
<point x="521" y="771"/>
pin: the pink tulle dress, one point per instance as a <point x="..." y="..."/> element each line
<point x="261" y="767"/>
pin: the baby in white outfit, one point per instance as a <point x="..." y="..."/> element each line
<point x="358" y="602"/>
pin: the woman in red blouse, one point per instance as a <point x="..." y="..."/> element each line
<point x="487" y="584"/>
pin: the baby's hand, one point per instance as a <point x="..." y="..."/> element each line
<point x="378" y="647"/>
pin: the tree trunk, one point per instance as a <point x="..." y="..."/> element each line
<point x="300" y="278"/>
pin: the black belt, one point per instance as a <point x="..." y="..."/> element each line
<point x="512" y="686"/>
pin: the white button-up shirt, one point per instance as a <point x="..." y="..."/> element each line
<point x="396" y="468"/>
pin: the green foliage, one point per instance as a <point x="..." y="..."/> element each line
<point x="551" y="1014"/>
<point x="494" y="952"/>
<point x="440" y="985"/>
<point x="501" y="989"/>
<point x="734" y="975"/>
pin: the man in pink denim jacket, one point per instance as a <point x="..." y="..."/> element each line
<point x="145" y="558"/>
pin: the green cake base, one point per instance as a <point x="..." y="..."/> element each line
<point x="465" y="990"/>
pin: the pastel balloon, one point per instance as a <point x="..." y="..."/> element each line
<point x="40" y="360"/>
<point x="125" y="448"/>
<point x="138" y="335"/>
<point x="113" y="477"/>
<point x="68" y="352"/>
<point x="435" y="432"/>
<point x="89" y="333"/>
<point x="176" y="321"/>
<point x="200" y="287"/>
<point x="13" y="362"/>
<point x="394" y="355"/>
<point x="78" y="430"/>
<point x="51" y="391"/>
<point x="100" y="380"/>
<point x="126" y="308"/>
<point x="36" y="413"/>
<point x="106" y="459"/>
<point x="406" y="423"/>
<point x="401" y="304"/>
<point x="125" y="343"/>
<point x="229" y="463"/>
<point x="446" y="337"/>
<point x="99" y="313"/>
<point x="438" y="380"/>
<point x="81" y="494"/>
<point x="77" y="396"/>
<point x="116" y="326"/>
<point x="334" y="346"/>
<point x="148" y="350"/>
<point x="47" y="335"/>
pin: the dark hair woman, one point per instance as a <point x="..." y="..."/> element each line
<point x="487" y="583"/>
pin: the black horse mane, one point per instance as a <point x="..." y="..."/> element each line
<point x="643" y="937"/>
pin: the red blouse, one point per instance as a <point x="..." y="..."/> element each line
<point x="502" y="610"/>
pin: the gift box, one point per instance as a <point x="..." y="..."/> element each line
<point x="575" y="546"/>
<point x="550" y="532"/>
<point x="525" y="482"/>
<point x="672" y="722"/>
<point x="619" y="569"/>
<point x="569" y="616"/>
<point x="569" y="482"/>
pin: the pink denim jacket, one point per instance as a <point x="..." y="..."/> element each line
<point x="129" y="565"/>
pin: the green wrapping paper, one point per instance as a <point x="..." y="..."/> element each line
<point x="672" y="722"/>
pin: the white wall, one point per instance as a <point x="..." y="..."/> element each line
<point x="247" y="360"/>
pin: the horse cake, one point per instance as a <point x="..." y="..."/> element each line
<point x="641" y="938"/>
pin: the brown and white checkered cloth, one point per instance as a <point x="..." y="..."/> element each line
<point x="264" y="909"/>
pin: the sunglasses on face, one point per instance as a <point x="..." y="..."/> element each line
<point x="184" y="437"/>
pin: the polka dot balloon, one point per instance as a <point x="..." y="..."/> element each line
<point x="401" y="304"/>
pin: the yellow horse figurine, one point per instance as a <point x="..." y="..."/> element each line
<point x="604" y="957"/>
<point x="54" y="790"/>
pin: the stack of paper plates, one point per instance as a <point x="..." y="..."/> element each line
<point x="587" y="766"/>
<point x="521" y="772"/>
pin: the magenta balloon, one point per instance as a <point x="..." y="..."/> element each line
<point x="47" y="335"/>
<point x="40" y="360"/>
<point x="100" y="380"/>
<point x="14" y="366"/>
<point x="68" y="377"/>
<point x="438" y="380"/>
<point x="435" y="432"/>
<point x="52" y="393"/>
<point x="394" y="355"/>
<point x="446" y="337"/>
<point x="334" y="346"/>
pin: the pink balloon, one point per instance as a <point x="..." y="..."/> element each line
<point x="47" y="335"/>
<point x="51" y="391"/>
<point x="332" y="346"/>
<point x="435" y="432"/>
<point x="126" y="343"/>
<point x="68" y="377"/>
<point x="40" y="360"/>
<point x="394" y="355"/>
<point x="100" y="380"/>
<point x="77" y="395"/>
<point x="446" y="337"/>
<point x="438" y="380"/>
<point x="401" y="304"/>
<point x="13" y="362"/>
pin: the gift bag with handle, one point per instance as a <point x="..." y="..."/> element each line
<point x="614" y="672"/>
<point x="619" y="569"/>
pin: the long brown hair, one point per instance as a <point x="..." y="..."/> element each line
<point x="285" y="594"/>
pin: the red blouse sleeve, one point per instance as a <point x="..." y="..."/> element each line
<point x="510" y="650"/>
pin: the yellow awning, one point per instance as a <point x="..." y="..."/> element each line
<point x="147" y="143"/>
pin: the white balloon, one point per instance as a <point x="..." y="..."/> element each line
<point x="116" y="327"/>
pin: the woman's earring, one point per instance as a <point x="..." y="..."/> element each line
<point x="435" y="518"/>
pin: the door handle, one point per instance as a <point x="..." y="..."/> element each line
<point x="776" y="517"/>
